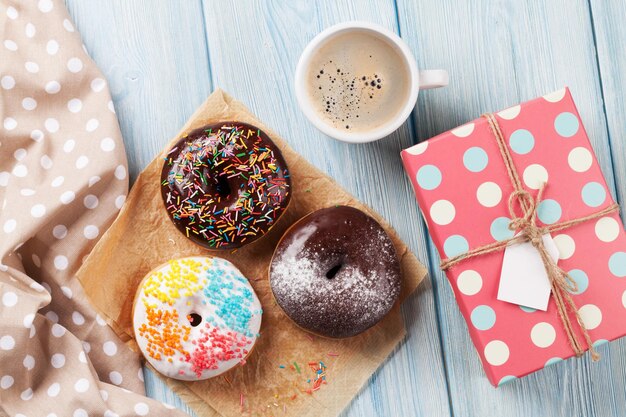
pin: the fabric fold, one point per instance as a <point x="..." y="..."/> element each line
<point x="63" y="179"/>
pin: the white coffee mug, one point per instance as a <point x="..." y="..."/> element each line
<point x="417" y="80"/>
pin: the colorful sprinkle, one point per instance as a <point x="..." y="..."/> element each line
<point x="171" y="330"/>
<point x="233" y="303"/>
<point x="320" y="376"/>
<point x="225" y="187"/>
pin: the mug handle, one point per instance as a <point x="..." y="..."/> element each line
<point x="433" y="79"/>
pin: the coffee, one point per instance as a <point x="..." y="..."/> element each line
<point x="357" y="81"/>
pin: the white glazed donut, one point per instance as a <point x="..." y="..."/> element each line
<point x="195" y="318"/>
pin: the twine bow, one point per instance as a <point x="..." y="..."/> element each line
<point x="561" y="282"/>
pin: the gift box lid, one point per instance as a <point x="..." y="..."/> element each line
<point x="462" y="188"/>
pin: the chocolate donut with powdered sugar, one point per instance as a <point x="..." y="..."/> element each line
<point x="335" y="272"/>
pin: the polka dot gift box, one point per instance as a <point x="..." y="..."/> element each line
<point x="464" y="180"/>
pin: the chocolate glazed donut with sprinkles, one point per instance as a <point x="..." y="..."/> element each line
<point x="225" y="185"/>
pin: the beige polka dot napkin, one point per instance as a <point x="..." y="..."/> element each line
<point x="63" y="178"/>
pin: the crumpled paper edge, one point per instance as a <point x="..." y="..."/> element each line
<point x="408" y="262"/>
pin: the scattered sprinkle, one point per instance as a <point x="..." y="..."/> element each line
<point x="318" y="368"/>
<point x="320" y="376"/>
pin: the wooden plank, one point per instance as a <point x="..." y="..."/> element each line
<point x="499" y="54"/>
<point x="154" y="56"/>
<point x="254" y="48"/>
<point x="610" y="33"/>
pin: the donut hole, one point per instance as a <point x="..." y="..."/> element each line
<point x="222" y="186"/>
<point x="194" y="319"/>
<point x="332" y="272"/>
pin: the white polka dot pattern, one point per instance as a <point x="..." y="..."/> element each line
<point x="607" y="229"/>
<point x="63" y="169"/>
<point x="566" y="245"/>
<point x="469" y="282"/>
<point x="6" y="382"/>
<point x="463" y="191"/>
<point x="534" y="175"/>
<point x="591" y="316"/>
<point x="489" y="194"/>
<point x="442" y="212"/>
<point x="543" y="335"/>
<point x="497" y="352"/>
<point x="463" y="131"/>
<point x="510" y="113"/>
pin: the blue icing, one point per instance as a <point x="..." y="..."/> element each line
<point x="233" y="303"/>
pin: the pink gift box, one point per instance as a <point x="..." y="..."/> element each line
<point x="462" y="189"/>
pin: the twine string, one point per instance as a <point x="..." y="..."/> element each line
<point x="525" y="223"/>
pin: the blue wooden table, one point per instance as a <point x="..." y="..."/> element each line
<point x="162" y="58"/>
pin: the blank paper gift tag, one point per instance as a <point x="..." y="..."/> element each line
<point x="524" y="280"/>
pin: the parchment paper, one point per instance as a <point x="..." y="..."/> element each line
<point x="276" y="376"/>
